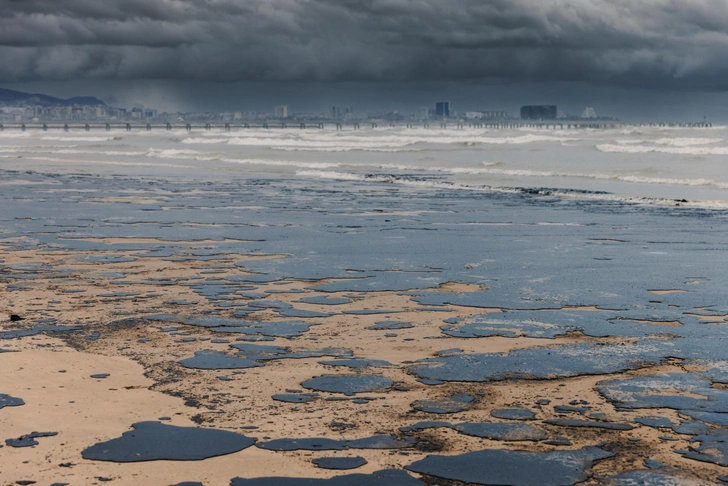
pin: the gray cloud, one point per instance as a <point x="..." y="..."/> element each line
<point x="661" y="43"/>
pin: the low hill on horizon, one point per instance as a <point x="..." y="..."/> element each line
<point x="9" y="97"/>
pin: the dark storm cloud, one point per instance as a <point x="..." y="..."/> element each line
<point x="668" y="43"/>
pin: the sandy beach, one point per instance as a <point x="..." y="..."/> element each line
<point x="402" y="326"/>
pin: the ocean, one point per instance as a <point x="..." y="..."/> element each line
<point x="645" y="165"/>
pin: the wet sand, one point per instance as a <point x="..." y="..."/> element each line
<point x="318" y="318"/>
<point x="52" y="374"/>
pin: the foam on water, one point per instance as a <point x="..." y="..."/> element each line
<point x="282" y="163"/>
<point x="663" y="149"/>
<point x="382" y="142"/>
<point x="593" y="196"/>
<point x="649" y="165"/>
<point x="9" y="134"/>
<point x="346" y="149"/>
<point x="676" y="142"/>
<point x="78" y="139"/>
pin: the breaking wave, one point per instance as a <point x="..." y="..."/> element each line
<point x="282" y="163"/>
<point x="674" y="142"/>
<point x="78" y="139"/>
<point x="545" y="192"/>
<point x="675" y="149"/>
<point x="331" y="142"/>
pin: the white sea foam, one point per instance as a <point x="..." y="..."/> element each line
<point x="594" y="196"/>
<point x="330" y="174"/>
<point x="334" y="142"/>
<point x="33" y="148"/>
<point x="199" y="140"/>
<point x="346" y="149"/>
<point x="555" y="174"/>
<point x="674" y="142"/>
<point x="613" y="177"/>
<point x="526" y="139"/>
<point x="8" y="134"/>
<point x="98" y="152"/>
<point x="282" y="163"/>
<point x="687" y="142"/>
<point x="90" y="162"/>
<point x="78" y="139"/>
<point x="153" y="153"/>
<point x="678" y="150"/>
<point x="178" y="154"/>
<point x="444" y="158"/>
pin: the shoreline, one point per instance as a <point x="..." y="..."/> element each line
<point x="148" y="383"/>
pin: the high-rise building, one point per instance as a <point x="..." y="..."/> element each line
<point x="282" y="111"/>
<point x="589" y="113"/>
<point x="335" y="112"/>
<point x="538" y="112"/>
<point x="442" y="108"/>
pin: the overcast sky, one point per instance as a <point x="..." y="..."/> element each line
<point x="624" y="57"/>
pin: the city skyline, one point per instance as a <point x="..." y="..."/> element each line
<point x="628" y="104"/>
<point x="16" y="106"/>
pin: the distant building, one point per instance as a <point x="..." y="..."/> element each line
<point x="282" y="111"/>
<point x="538" y="112"/>
<point x="589" y="113"/>
<point x="485" y="114"/>
<point x="335" y="112"/>
<point x="442" y="108"/>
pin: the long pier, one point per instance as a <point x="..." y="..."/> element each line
<point x="503" y="125"/>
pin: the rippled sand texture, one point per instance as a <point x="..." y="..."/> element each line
<point x="163" y="328"/>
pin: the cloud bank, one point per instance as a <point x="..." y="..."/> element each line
<point x="655" y="43"/>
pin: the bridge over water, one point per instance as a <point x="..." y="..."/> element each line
<point x="459" y="125"/>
